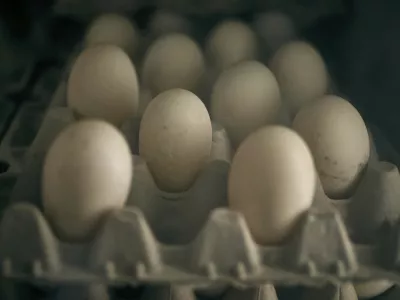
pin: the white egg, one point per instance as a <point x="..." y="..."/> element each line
<point x="272" y="182"/>
<point x="103" y="84"/>
<point x="115" y="30"/>
<point x="173" y="61"/>
<point x="231" y="42"/>
<point x="339" y="141"/>
<point x="372" y="288"/>
<point x="175" y="139"/>
<point x="275" y="29"/>
<point x="301" y="74"/>
<point x="87" y="174"/>
<point x="164" y="22"/>
<point x="245" y="98"/>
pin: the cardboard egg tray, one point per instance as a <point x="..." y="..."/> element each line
<point x="25" y="125"/>
<point x="17" y="63"/>
<point x="19" y="77"/>
<point x="303" y="12"/>
<point x="191" y="249"/>
<point x="175" y="248"/>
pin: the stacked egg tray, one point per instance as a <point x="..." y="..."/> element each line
<point x="305" y="12"/>
<point x="217" y="258"/>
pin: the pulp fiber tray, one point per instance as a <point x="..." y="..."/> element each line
<point x="207" y="249"/>
<point x="212" y="247"/>
<point x="303" y="12"/>
<point x="25" y="125"/>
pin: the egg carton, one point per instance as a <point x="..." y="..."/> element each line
<point x="7" y="109"/>
<point x="304" y="12"/>
<point x="16" y="72"/>
<point x="161" y="292"/>
<point x="20" y="78"/>
<point x="27" y="121"/>
<point x="181" y="292"/>
<point x="207" y="245"/>
<point x="136" y="247"/>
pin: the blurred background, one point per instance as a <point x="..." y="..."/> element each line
<point x="357" y="38"/>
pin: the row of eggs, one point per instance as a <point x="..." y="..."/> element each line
<point x="175" y="138"/>
<point x="275" y="169"/>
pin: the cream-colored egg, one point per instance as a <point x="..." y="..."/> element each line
<point x="230" y="43"/>
<point x="301" y="74"/>
<point x="115" y="30"/>
<point x="173" y="61"/>
<point x="103" y="84"/>
<point x="339" y="141"/>
<point x="87" y="174"/>
<point x="275" y="29"/>
<point x="272" y="182"/>
<point x="372" y="288"/>
<point x="164" y="22"/>
<point x="245" y="98"/>
<point x="175" y="139"/>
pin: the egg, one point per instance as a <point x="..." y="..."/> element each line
<point x="115" y="30"/>
<point x="175" y="139"/>
<point x="301" y="74"/>
<point x="172" y="61"/>
<point x="373" y="288"/>
<point x="272" y="182"/>
<point x="164" y="22"/>
<point x="275" y="29"/>
<point x="231" y="42"/>
<point x="339" y="141"/>
<point x="245" y="98"/>
<point x="87" y="174"/>
<point x="103" y="84"/>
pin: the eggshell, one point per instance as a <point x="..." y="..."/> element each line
<point x="372" y="288"/>
<point x="275" y="29"/>
<point x="272" y="182"/>
<point x="115" y="30"/>
<point x="164" y="22"/>
<point x="301" y="74"/>
<point x="231" y="42"/>
<point x="103" y="84"/>
<point x="175" y="139"/>
<point x="173" y="61"/>
<point x="339" y="141"/>
<point x="87" y="173"/>
<point x="245" y="98"/>
<point x="221" y="149"/>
